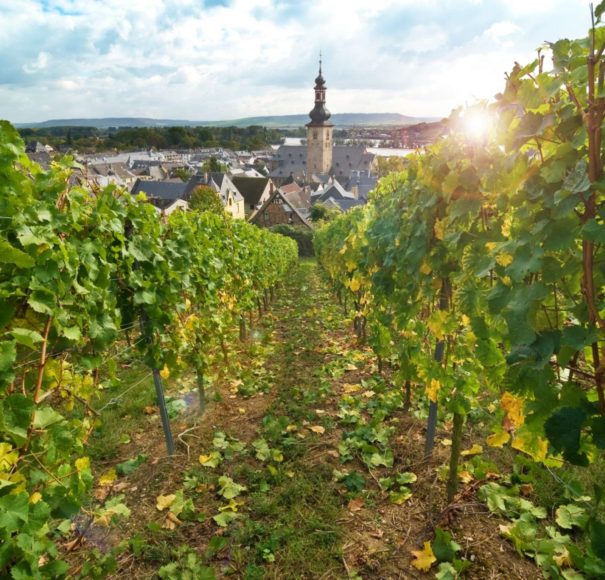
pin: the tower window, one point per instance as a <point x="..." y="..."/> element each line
<point x="314" y="134"/>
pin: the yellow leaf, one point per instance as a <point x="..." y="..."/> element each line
<point x="504" y="259"/>
<point x="232" y="506"/>
<point x="165" y="372"/>
<point x="563" y="560"/>
<point x="491" y="246"/>
<point x="291" y="428"/>
<point x="474" y="450"/>
<point x="242" y="410"/>
<point x="350" y="265"/>
<point x="171" y="521"/>
<point x="436" y="324"/>
<point x="164" y="501"/>
<point x="318" y="429"/>
<point x="82" y="463"/>
<point x="513" y="406"/>
<point x="465" y="476"/>
<point x="425" y="269"/>
<point x="368" y="394"/>
<point x="432" y="390"/>
<point x="355" y="284"/>
<point x="446" y="442"/>
<point x="35" y="497"/>
<point x="439" y="229"/>
<point x="531" y="444"/>
<point x="8" y="457"/>
<point x="505" y="229"/>
<point x="423" y="559"/>
<point x="498" y="439"/>
<point x="108" y="477"/>
<point x="349" y="388"/>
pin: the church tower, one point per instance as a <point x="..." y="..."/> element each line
<point x="319" y="132"/>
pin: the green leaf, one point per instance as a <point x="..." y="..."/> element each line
<point x="228" y="488"/>
<point x="225" y="518"/>
<point x="145" y="297"/>
<point x="406" y="478"/>
<point x="71" y="333"/>
<point x="8" y="354"/>
<point x="444" y="546"/>
<point x="27" y="337"/>
<point x="597" y="538"/>
<point x="593" y="231"/>
<point x="401" y="496"/>
<point x="597" y="426"/>
<point x="42" y="301"/>
<point x="14" y="512"/>
<point x="15" y="414"/>
<point x="353" y="481"/>
<point x="568" y="516"/>
<point x="46" y="416"/>
<point x="563" y="429"/>
<point x="131" y="465"/>
<point x="11" y="255"/>
<point x="446" y="571"/>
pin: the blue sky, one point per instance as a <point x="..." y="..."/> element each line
<point x="223" y="59"/>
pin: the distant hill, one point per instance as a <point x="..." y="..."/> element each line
<point x="278" y="121"/>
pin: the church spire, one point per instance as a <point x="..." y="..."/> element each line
<point x="320" y="114"/>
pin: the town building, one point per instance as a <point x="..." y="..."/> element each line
<point x="319" y="163"/>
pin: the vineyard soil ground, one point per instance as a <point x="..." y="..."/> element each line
<point x="285" y="384"/>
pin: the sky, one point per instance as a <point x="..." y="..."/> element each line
<point x="226" y="59"/>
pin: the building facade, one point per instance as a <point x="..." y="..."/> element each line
<point x="319" y="132"/>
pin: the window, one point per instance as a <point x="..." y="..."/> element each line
<point x="315" y="134"/>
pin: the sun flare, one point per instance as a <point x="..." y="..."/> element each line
<point x="476" y="124"/>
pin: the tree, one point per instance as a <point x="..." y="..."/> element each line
<point x="386" y="165"/>
<point x="183" y="173"/>
<point x="213" y="164"/>
<point x="204" y="198"/>
<point x="320" y="212"/>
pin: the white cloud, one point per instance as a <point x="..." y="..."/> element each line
<point x="423" y="38"/>
<point x="37" y="65"/>
<point x="179" y="59"/>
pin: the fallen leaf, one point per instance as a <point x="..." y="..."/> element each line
<point x="349" y="388"/>
<point x="211" y="460"/>
<point x="164" y="501"/>
<point x="423" y="559"/>
<point x="318" y="429"/>
<point x="446" y="442"/>
<point x="526" y="489"/>
<point x="101" y="493"/>
<point x="377" y="534"/>
<point x="498" y="439"/>
<point x="465" y="476"/>
<point x="355" y="505"/>
<point x="241" y="410"/>
<point x="108" y="477"/>
<point x="333" y="453"/>
<point x="150" y="410"/>
<point x="563" y="560"/>
<point x="368" y="394"/>
<point x="171" y="521"/>
<point x="474" y="450"/>
<point x="350" y="367"/>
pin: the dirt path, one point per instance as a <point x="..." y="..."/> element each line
<point x="292" y="470"/>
